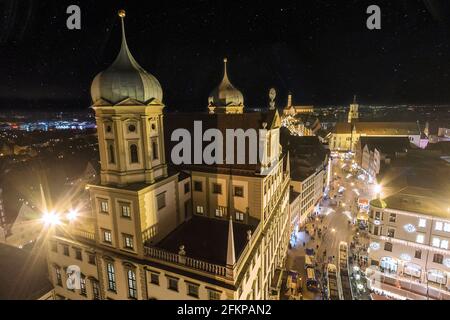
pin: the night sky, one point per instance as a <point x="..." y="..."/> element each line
<point x="319" y="50"/>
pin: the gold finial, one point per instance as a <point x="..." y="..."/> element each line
<point x="121" y="13"/>
<point x="225" y="60"/>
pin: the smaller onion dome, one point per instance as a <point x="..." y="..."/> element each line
<point x="225" y="94"/>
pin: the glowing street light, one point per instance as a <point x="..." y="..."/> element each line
<point x="377" y="189"/>
<point x="50" y="219"/>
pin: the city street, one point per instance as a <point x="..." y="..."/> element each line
<point x="335" y="223"/>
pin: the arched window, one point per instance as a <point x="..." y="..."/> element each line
<point x="134" y="153"/>
<point x="112" y="158"/>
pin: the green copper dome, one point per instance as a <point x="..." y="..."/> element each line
<point x="125" y="78"/>
<point x="225" y="94"/>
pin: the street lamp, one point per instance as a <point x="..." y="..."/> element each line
<point x="50" y="219"/>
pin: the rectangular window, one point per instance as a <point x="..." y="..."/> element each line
<point x="54" y="246"/>
<point x="95" y="290"/>
<point x="66" y="250"/>
<point x="132" y="287"/>
<point x="238" y="191"/>
<point x="154" y="278"/>
<point x="111" y="277"/>
<point x="392" y="217"/>
<point x="220" y="211"/>
<point x="438" y="258"/>
<point x="438" y="226"/>
<point x="391" y="233"/>
<point x="214" y="295"/>
<point x="91" y="259"/>
<point x="388" y="246"/>
<point x="107" y="236"/>
<point x="161" y="200"/>
<point x="104" y="206"/>
<point x="422" y="223"/>
<point x="172" y="284"/>
<point x="200" y="209"/>
<point x="126" y="210"/>
<point x="198" y="186"/>
<point x="239" y="216"/>
<point x="128" y="241"/>
<point x="447" y="227"/>
<point x="155" y="150"/>
<point x="436" y="242"/>
<point x="444" y="244"/>
<point x="58" y="276"/>
<point x="78" y="254"/>
<point x="187" y="187"/>
<point x="192" y="289"/>
<point x="217" y="188"/>
<point x="83" y="286"/>
<point x="418" y="254"/>
<point x="420" y="238"/>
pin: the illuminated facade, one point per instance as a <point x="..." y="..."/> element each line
<point x="158" y="232"/>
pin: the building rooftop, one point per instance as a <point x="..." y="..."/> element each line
<point x="418" y="200"/>
<point x="23" y="276"/>
<point x="206" y="239"/>
<point x="378" y="128"/>
<point x="386" y="145"/>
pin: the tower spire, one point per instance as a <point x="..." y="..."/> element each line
<point x="225" y="73"/>
<point x="354" y="99"/>
<point x="231" y="257"/>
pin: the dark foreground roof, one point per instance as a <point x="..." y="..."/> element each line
<point x="206" y="239"/>
<point x="23" y="276"/>
<point x="386" y="145"/>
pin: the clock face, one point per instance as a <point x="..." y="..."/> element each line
<point x="272" y="93"/>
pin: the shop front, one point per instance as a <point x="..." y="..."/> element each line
<point x="412" y="270"/>
<point x="388" y="264"/>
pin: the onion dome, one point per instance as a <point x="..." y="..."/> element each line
<point x="125" y="78"/>
<point x="225" y="94"/>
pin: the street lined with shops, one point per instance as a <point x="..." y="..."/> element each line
<point x="335" y="223"/>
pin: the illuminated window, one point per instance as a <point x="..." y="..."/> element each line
<point x="200" y="209"/>
<point x="104" y="206"/>
<point x="126" y="210"/>
<point x="83" y="286"/>
<point x="111" y="276"/>
<point x="128" y="241"/>
<point x="447" y="227"/>
<point x="220" y="211"/>
<point x="438" y="226"/>
<point x="436" y="242"/>
<point x="420" y="238"/>
<point x="444" y="244"/>
<point x="107" y="236"/>
<point x="95" y="289"/>
<point x="132" y="287"/>
<point x="239" y="216"/>
<point x="422" y="223"/>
